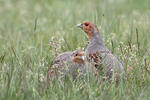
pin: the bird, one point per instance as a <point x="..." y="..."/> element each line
<point x="96" y="51"/>
<point x="70" y="63"/>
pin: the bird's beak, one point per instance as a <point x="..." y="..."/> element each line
<point x="82" y="57"/>
<point x="79" y="25"/>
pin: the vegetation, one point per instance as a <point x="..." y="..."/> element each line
<point x="30" y="30"/>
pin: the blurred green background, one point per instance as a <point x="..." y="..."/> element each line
<point x="29" y="27"/>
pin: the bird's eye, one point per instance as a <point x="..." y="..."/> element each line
<point x="76" y="55"/>
<point x="86" y="24"/>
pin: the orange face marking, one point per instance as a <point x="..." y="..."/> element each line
<point x="80" y="54"/>
<point x="77" y="58"/>
<point x="89" y="28"/>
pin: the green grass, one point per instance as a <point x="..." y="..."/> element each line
<point x="28" y="26"/>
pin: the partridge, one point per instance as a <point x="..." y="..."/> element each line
<point x="98" y="53"/>
<point x="69" y="63"/>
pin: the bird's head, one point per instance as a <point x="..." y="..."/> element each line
<point x="78" y="57"/>
<point x="89" y="28"/>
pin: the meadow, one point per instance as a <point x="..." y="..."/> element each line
<point x="32" y="32"/>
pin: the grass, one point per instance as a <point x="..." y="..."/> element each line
<point x="28" y="26"/>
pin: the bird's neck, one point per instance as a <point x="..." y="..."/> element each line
<point x="96" y="39"/>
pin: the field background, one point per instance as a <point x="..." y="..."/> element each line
<point x="30" y="30"/>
